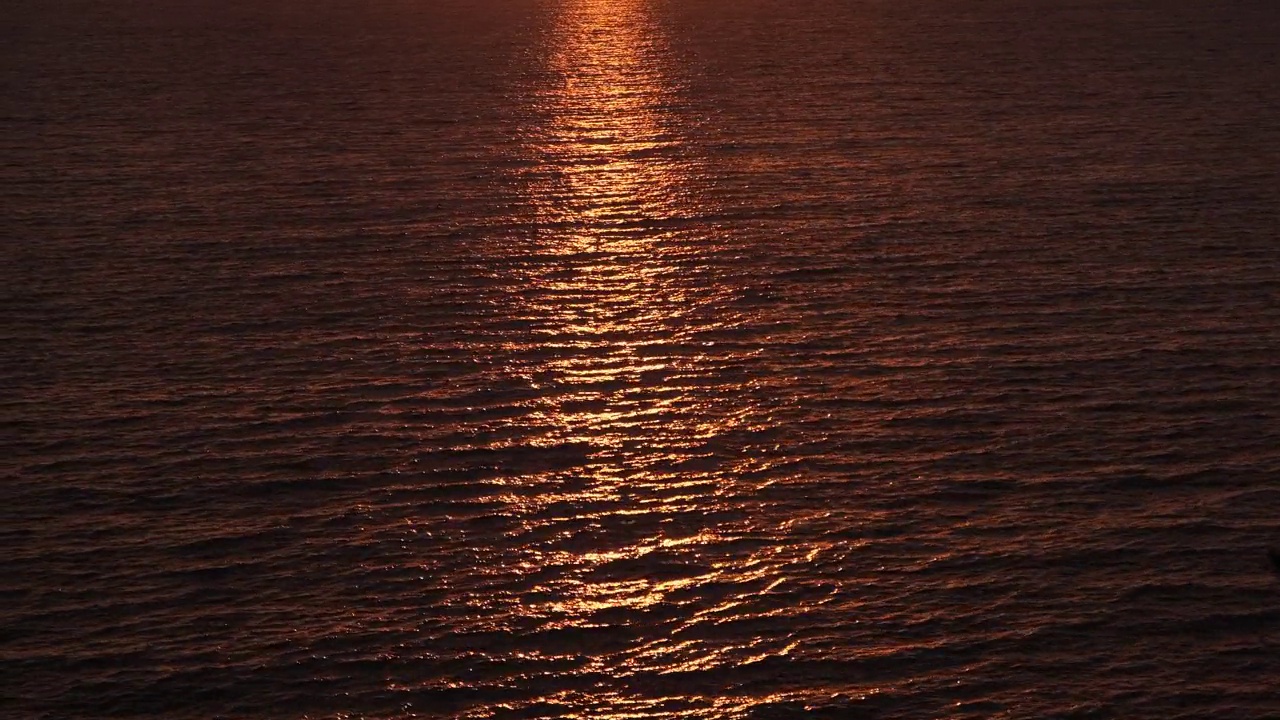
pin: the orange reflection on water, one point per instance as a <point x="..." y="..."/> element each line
<point x="613" y="193"/>
<point x="619" y="291"/>
<point x="611" y="143"/>
<point x="615" y="284"/>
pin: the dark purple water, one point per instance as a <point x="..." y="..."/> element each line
<point x="640" y="359"/>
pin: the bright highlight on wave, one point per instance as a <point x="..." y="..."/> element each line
<point x="624" y="318"/>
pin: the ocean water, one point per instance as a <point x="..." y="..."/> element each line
<point x="754" y="359"/>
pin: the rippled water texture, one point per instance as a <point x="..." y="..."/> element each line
<point x="640" y="359"/>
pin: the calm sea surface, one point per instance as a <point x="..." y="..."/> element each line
<point x="754" y="359"/>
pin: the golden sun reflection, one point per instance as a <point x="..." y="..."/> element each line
<point x="613" y="195"/>
<point x="616" y="292"/>
<point x="611" y="142"/>
<point x="611" y="145"/>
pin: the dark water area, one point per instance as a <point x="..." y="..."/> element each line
<point x="640" y="359"/>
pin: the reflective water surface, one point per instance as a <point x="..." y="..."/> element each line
<point x="640" y="359"/>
